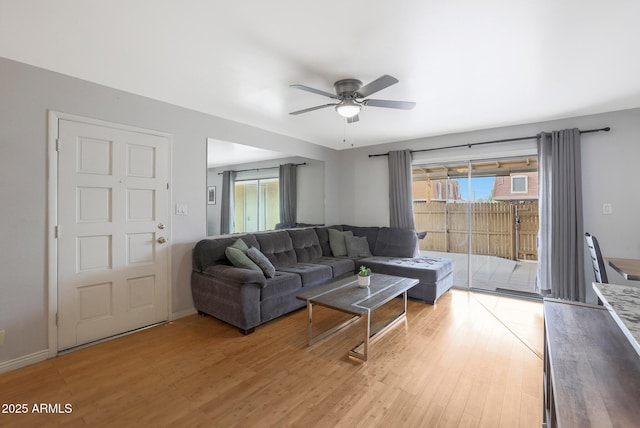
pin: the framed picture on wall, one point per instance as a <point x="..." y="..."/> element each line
<point x="211" y="195"/>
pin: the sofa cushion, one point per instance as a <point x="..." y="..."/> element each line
<point x="337" y="242"/>
<point x="278" y="248"/>
<point x="395" y="242"/>
<point x="357" y="246"/>
<point x="323" y="238"/>
<point x="236" y="254"/>
<point x="311" y="274"/>
<point x="305" y="244"/>
<point x="340" y="266"/>
<point x="371" y="232"/>
<point x="426" y="269"/>
<point x="262" y="261"/>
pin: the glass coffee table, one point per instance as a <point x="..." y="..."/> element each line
<point x="346" y="296"/>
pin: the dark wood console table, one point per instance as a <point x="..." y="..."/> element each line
<point x="591" y="370"/>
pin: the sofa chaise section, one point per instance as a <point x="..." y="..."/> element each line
<point x="434" y="273"/>
<point x="394" y="254"/>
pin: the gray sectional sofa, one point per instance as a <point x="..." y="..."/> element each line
<point x="302" y="258"/>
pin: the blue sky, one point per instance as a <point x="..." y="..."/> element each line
<point x="481" y="187"/>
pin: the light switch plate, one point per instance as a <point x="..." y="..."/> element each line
<point x="607" y="209"/>
<point x="181" y="209"/>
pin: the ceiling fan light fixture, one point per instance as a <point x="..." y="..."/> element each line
<point x="348" y="108"/>
<point x="351" y="96"/>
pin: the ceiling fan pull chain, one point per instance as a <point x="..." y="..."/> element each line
<point x="344" y="133"/>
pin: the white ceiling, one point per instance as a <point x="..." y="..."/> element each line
<point x="222" y="153"/>
<point x="468" y="64"/>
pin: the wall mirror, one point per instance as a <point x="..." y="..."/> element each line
<point x="256" y="199"/>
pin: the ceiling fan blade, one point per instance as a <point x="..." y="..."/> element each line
<point x="403" y="105"/>
<point x="315" y="91"/>
<point x="377" y="85"/>
<point x="353" y="119"/>
<point x="306" y="110"/>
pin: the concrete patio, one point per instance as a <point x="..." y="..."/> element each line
<point x="491" y="273"/>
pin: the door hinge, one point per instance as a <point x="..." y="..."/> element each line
<point x="167" y="186"/>
<point x="57" y="318"/>
<point x="57" y="144"/>
<point x="57" y="231"/>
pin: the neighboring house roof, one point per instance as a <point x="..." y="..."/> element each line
<point x="518" y="186"/>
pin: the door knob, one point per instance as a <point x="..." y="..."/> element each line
<point x="162" y="240"/>
<point x="160" y="225"/>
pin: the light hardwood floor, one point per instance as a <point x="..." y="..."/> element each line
<point x="455" y="364"/>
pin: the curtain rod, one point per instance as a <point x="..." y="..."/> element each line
<point x="607" y="129"/>
<point x="259" y="169"/>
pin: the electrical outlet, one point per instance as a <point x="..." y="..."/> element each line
<point x="607" y="209"/>
<point x="1" y="337"/>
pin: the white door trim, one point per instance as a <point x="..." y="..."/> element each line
<point x="52" y="216"/>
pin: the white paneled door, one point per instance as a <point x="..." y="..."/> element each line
<point x="113" y="231"/>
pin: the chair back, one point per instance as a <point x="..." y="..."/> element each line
<point x="596" y="259"/>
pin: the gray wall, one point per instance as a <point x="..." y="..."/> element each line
<point x="608" y="171"/>
<point x="356" y="186"/>
<point x="26" y="94"/>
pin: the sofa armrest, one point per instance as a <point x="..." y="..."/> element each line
<point x="229" y="294"/>
<point x="239" y="276"/>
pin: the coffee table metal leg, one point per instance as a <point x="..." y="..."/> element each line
<point x="310" y="338"/>
<point x="369" y="337"/>
<point x="364" y="344"/>
<point x="309" y="322"/>
<point x="404" y="299"/>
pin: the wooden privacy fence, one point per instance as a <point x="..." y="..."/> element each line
<point x="501" y="229"/>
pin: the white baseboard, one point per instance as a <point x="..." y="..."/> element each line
<point x="183" y="313"/>
<point x="40" y="356"/>
<point x="24" y="361"/>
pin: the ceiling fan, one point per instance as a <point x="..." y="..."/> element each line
<point x="350" y="94"/>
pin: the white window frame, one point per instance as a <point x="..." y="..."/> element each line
<point x="526" y="183"/>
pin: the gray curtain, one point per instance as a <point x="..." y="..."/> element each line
<point x="561" y="239"/>
<point x="288" y="195"/>
<point x="400" y="190"/>
<point x="227" y="202"/>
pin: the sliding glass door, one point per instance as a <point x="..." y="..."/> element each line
<point x="256" y="205"/>
<point x="487" y="221"/>
<point x="440" y="210"/>
<point x="503" y="205"/>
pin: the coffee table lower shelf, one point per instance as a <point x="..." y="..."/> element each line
<point x="345" y="296"/>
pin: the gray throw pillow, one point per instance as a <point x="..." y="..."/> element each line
<point x="357" y="246"/>
<point x="238" y="257"/>
<point x="337" y="242"/>
<point x="262" y="261"/>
